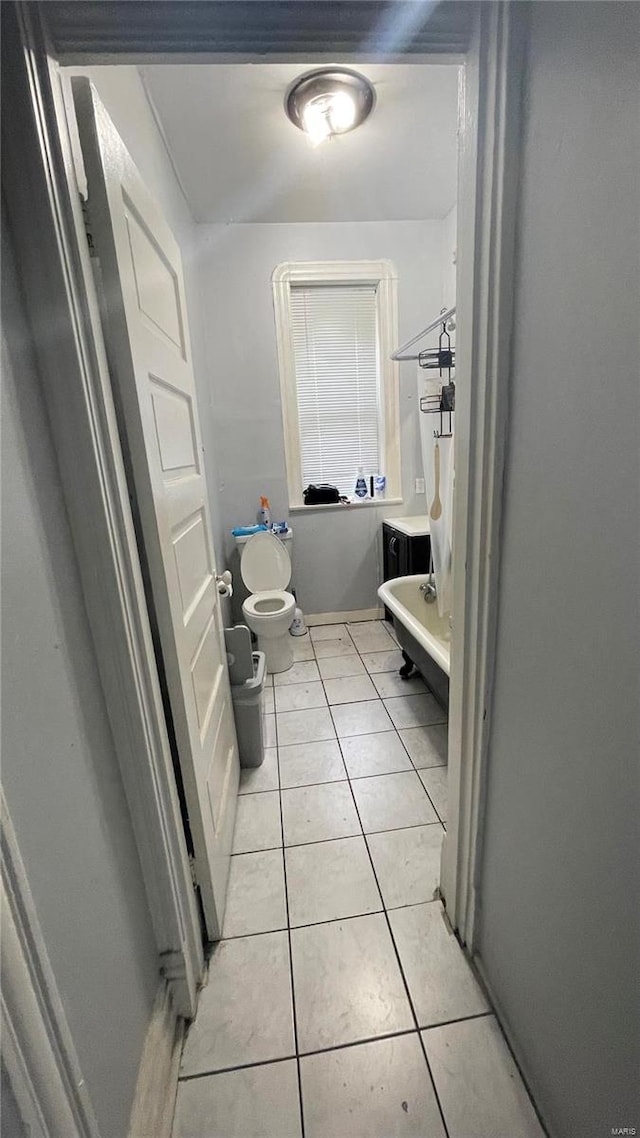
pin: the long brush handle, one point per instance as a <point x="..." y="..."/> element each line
<point x="436" y="505"/>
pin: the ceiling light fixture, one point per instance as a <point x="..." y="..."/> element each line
<point x="329" y="101"/>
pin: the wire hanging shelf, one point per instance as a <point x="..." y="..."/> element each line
<point x="443" y="402"/>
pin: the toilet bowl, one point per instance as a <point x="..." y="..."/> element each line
<point x="265" y="568"/>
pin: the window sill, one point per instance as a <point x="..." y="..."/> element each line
<point x="302" y="509"/>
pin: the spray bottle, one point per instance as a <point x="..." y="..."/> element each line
<point x="264" y="513"/>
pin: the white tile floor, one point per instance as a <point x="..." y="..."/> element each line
<point x="338" y="1005"/>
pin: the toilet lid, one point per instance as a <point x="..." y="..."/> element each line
<point x="265" y="563"/>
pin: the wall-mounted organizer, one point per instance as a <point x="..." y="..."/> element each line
<point x="444" y="359"/>
<point x="433" y="405"/>
<point x="442" y="403"/>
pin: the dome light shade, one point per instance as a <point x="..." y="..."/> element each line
<point x="329" y="101"/>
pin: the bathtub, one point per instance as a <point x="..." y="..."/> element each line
<point x="423" y="635"/>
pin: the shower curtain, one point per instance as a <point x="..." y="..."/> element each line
<point x="441" y="529"/>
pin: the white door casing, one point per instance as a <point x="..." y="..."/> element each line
<point x="147" y="338"/>
<point x="490" y="135"/>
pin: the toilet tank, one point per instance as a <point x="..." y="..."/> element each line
<point x="287" y="536"/>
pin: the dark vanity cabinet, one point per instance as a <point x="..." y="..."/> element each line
<point x="404" y="553"/>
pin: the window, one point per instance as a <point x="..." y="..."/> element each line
<point x="336" y="330"/>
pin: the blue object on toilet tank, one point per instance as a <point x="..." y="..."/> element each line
<point x="246" y="531"/>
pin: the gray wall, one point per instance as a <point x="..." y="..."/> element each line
<point x="560" y="874"/>
<point x="59" y="769"/>
<point x="337" y="553"/>
<point x="11" y="1124"/>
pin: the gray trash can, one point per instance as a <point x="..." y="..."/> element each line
<point x="247" y="709"/>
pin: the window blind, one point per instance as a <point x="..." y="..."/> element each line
<point x="335" y="343"/>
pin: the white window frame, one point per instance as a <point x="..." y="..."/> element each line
<point x="382" y="275"/>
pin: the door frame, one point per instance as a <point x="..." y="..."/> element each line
<point x="37" y="1046"/>
<point x="491" y="116"/>
<point x="59" y="292"/>
<point x="57" y="279"/>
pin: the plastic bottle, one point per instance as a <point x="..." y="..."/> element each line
<point x="361" y="485"/>
<point x="297" y="627"/>
<point x="264" y="513"/>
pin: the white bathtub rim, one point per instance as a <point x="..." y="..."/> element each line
<point x="432" y="646"/>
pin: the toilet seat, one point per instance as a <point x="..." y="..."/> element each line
<point x="269" y="603"/>
<point x="265" y="565"/>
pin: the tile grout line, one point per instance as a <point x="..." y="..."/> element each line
<point x="324" y="782"/>
<point x="337" y="920"/>
<point x="405" y="984"/>
<point x="435" y="809"/>
<point x="307" y="1054"/>
<point x="408" y="993"/>
<point x="383" y="911"/>
<point x="358" y="654"/>
<point x="337" y="1046"/>
<point x="321" y="841"/>
<point x="429" y="798"/>
<point x="214" y="1071"/>
<point x="397" y="732"/>
<point x="397" y="954"/>
<point x="288" y="919"/>
<point x="412" y="767"/>
<point x="354" y="778"/>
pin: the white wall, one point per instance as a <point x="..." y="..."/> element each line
<point x="449" y="257"/>
<point x="59" y="769"/>
<point x="336" y="554"/>
<point x="558" y="937"/>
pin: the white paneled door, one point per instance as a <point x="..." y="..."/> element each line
<point x="147" y="338"/>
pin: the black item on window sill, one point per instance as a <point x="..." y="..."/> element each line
<point x="323" y="495"/>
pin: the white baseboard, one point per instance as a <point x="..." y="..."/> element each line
<point x="157" y="1085"/>
<point x="343" y="617"/>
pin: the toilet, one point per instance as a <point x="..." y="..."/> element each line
<point x="265" y="567"/>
